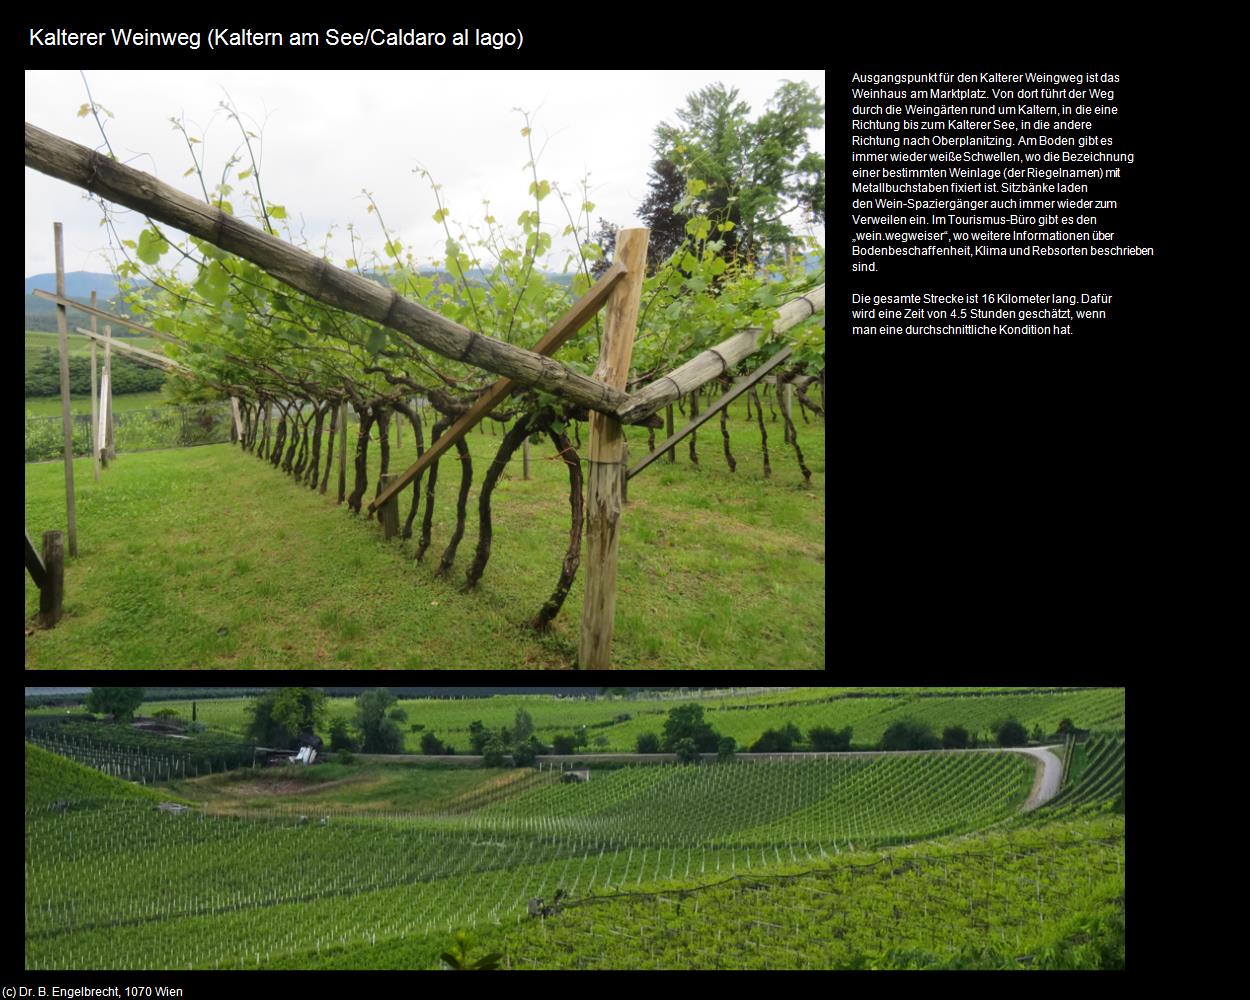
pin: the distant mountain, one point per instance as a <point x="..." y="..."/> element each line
<point x="41" y="314"/>
<point x="78" y="284"/>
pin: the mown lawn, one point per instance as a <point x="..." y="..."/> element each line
<point x="210" y="558"/>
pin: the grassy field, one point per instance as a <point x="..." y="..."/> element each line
<point x="50" y="406"/>
<point x="210" y="558"/>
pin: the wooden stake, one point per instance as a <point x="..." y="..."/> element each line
<point x="342" y="451"/>
<point x="604" y="452"/>
<point x="53" y="589"/>
<point x="67" y="420"/>
<point x="389" y="514"/>
<point x="95" y="403"/>
<point x="106" y="400"/>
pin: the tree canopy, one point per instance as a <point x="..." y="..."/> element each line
<point x="748" y="175"/>
<point x="119" y="702"/>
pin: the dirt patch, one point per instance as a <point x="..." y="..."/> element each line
<point x="257" y="789"/>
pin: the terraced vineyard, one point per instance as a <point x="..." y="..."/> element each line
<point x="856" y="860"/>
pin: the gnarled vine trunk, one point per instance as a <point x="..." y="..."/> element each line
<point x="512" y="440"/>
<point x="572" y="555"/>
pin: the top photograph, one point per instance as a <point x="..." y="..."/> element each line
<point x="265" y="310"/>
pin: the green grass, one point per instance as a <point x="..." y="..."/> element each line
<point x="211" y="558"/>
<point x="50" y="406"/>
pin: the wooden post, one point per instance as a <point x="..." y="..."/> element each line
<point x="342" y="451"/>
<point x="784" y="399"/>
<point x="668" y="429"/>
<point x="606" y="444"/>
<point x="95" y="405"/>
<point x="390" y="510"/>
<point x="106" y="399"/>
<point x="625" y="471"/>
<point x="525" y="458"/>
<point x="67" y="419"/>
<point x="53" y="589"/>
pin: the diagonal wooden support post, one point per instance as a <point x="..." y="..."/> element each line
<point x="715" y="408"/>
<point x="606" y="448"/>
<point x="567" y="325"/>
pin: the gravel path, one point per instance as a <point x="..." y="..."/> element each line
<point x="1046" y="787"/>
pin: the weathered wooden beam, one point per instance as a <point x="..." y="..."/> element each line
<point x="741" y="386"/>
<point x="715" y="361"/>
<point x="67" y="419"/>
<point x="573" y="320"/>
<point x="34" y="565"/>
<point x="604" y="451"/>
<point x="312" y="275"/>
<point x="51" y="594"/>
<point x="169" y="364"/>
<point x="94" y="313"/>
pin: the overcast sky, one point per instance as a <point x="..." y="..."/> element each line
<point x="326" y="135"/>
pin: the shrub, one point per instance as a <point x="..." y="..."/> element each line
<point x="1010" y="733"/>
<point x="728" y="749"/>
<point x="955" y="738"/>
<point x="826" y="739"/>
<point x="345" y="757"/>
<point x="493" y="754"/>
<point x="909" y="734"/>
<point x="775" y="741"/>
<point x="432" y="745"/>
<point x="564" y="744"/>
<point x="687" y="751"/>
<point x="341" y="737"/>
<point x="647" y="743"/>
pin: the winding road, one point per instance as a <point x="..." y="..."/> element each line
<point x="1046" y="786"/>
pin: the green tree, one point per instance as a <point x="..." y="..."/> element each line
<point x="341" y="737"/>
<point x="1010" y="733"/>
<point x="687" y="722"/>
<point x="687" y="750"/>
<point x="479" y="736"/>
<point x="909" y="734"/>
<point x="280" y="716"/>
<point x="728" y="748"/>
<point x="299" y="710"/>
<point x="774" y="741"/>
<point x="749" y="174"/>
<point x="493" y="754"/>
<point x="379" y="734"/>
<point x="119" y="702"/>
<point x="525" y="754"/>
<point x="432" y="745"/>
<point x="826" y="739"/>
<point x="647" y="743"/>
<point x="954" y="738"/>
<point x="564" y="743"/>
<point x="522" y="726"/>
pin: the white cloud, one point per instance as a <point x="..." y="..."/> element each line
<point x="327" y="135"/>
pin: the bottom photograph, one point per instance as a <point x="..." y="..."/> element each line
<point x="402" y="828"/>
